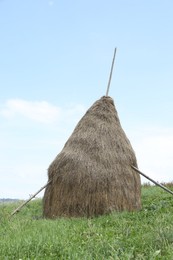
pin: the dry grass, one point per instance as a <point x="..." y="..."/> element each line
<point x="92" y="175"/>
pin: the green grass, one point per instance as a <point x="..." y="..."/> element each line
<point x="146" y="234"/>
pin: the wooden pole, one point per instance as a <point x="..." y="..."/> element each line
<point x="26" y="202"/>
<point x="155" y="182"/>
<point x="110" y="76"/>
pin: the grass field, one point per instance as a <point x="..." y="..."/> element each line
<point x="146" y="234"/>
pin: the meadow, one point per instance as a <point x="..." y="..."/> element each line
<point x="146" y="234"/>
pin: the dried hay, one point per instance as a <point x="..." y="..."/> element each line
<point x="92" y="175"/>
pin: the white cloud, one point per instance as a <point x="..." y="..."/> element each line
<point x="31" y="147"/>
<point x="153" y="148"/>
<point x="40" y="111"/>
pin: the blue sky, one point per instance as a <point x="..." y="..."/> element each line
<point x="55" y="59"/>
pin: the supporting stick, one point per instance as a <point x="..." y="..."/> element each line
<point x="33" y="196"/>
<point x="160" y="185"/>
<point x="109" y="82"/>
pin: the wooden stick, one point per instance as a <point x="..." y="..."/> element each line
<point x="26" y="202"/>
<point x="155" y="182"/>
<point x="109" y="82"/>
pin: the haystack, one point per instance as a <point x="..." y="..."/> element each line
<point x="92" y="175"/>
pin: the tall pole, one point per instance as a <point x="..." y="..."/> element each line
<point x="33" y="196"/>
<point x="110" y="76"/>
<point x="155" y="182"/>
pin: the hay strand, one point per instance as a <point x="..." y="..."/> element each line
<point x="92" y="175"/>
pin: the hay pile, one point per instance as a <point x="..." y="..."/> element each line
<point x="92" y="175"/>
